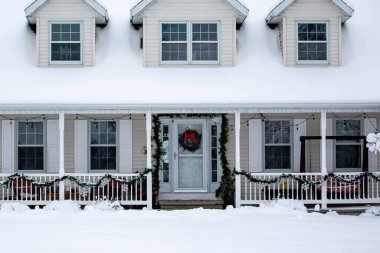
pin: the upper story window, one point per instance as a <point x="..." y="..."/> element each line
<point x="348" y="152"/>
<point x="30" y="146"/>
<point x="201" y="47"/>
<point x="103" y="145"/>
<point x="277" y="145"/>
<point x="65" y="43"/>
<point x="312" y="42"/>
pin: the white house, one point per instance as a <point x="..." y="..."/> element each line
<point x="94" y="94"/>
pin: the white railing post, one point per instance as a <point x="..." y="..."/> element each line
<point x="61" y="155"/>
<point x="323" y="158"/>
<point x="237" y="161"/>
<point x="149" y="158"/>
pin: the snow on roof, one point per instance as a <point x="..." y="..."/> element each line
<point x="34" y="6"/>
<point x="239" y="7"/>
<point x="271" y="18"/>
<point x="259" y="76"/>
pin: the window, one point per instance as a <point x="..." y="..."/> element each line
<point x="348" y="152"/>
<point x="30" y="146"/>
<point x="205" y="42"/>
<point x="65" y="43"/>
<point x="312" y="42"/>
<point x="178" y="47"/>
<point x="165" y="156"/>
<point x="277" y="145"/>
<point x="214" y="153"/>
<point x="103" y="145"/>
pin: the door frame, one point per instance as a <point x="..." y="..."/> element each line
<point x="174" y="150"/>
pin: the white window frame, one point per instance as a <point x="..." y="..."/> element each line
<point x="103" y="145"/>
<point x="316" y="62"/>
<point x="80" y="42"/>
<point x="190" y="43"/>
<point x="278" y="144"/>
<point x="28" y="145"/>
<point x="349" y="144"/>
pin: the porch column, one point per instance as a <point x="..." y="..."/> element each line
<point x="61" y="155"/>
<point x="237" y="160"/>
<point x="323" y="158"/>
<point x="149" y="158"/>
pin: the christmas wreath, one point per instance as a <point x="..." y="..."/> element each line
<point x="190" y="140"/>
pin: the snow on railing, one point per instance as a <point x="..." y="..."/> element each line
<point x="362" y="191"/>
<point x="26" y="189"/>
<point x="133" y="194"/>
<point x="22" y="190"/>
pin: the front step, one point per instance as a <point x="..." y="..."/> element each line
<point x="190" y="204"/>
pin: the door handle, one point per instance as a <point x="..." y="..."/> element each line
<point x="175" y="155"/>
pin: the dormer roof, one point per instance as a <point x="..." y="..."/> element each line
<point x="274" y="16"/>
<point x="138" y="8"/>
<point x="34" y="6"/>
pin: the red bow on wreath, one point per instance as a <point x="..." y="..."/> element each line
<point x="190" y="136"/>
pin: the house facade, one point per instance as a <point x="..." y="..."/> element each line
<point x="164" y="118"/>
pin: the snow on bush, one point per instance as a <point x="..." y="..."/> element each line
<point x="285" y="205"/>
<point x="373" y="143"/>
<point x="14" y="207"/>
<point x="63" y="206"/>
<point x="373" y="211"/>
<point x="104" y="205"/>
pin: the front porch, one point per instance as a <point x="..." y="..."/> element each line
<point x="316" y="157"/>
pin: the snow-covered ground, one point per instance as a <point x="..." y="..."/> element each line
<point x="280" y="227"/>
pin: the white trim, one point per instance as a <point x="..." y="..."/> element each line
<point x="32" y="8"/>
<point x="311" y="62"/>
<point x="276" y="12"/>
<point x="51" y="23"/>
<point x="189" y="42"/>
<point x="239" y="7"/>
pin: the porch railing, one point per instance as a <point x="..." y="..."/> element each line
<point x="22" y="190"/>
<point x="364" y="191"/>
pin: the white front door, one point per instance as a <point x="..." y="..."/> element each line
<point x="190" y="160"/>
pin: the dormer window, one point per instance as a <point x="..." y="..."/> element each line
<point x="312" y="42"/>
<point x="65" y="43"/>
<point x="177" y="46"/>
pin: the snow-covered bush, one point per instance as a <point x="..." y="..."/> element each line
<point x="14" y="207"/>
<point x="373" y="143"/>
<point x="63" y="206"/>
<point x="104" y="205"/>
<point x="373" y="211"/>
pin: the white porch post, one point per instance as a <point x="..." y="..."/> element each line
<point x="149" y="157"/>
<point x="323" y="158"/>
<point x="61" y="155"/>
<point x="237" y="160"/>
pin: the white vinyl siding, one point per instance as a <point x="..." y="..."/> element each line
<point x="66" y="11"/>
<point x="311" y="11"/>
<point x="194" y="11"/>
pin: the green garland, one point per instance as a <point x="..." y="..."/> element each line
<point x="303" y="181"/>
<point x="157" y="155"/>
<point x="226" y="190"/>
<point x="9" y="180"/>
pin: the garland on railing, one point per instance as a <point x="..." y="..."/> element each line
<point x="303" y="181"/>
<point x="106" y="178"/>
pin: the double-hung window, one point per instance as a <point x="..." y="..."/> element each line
<point x="277" y="145"/>
<point x="312" y="43"/>
<point x="30" y="146"/>
<point x="348" y="152"/>
<point x="200" y="47"/>
<point x="65" y="43"/>
<point x="103" y="145"/>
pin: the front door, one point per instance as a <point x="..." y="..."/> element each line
<point x="190" y="155"/>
